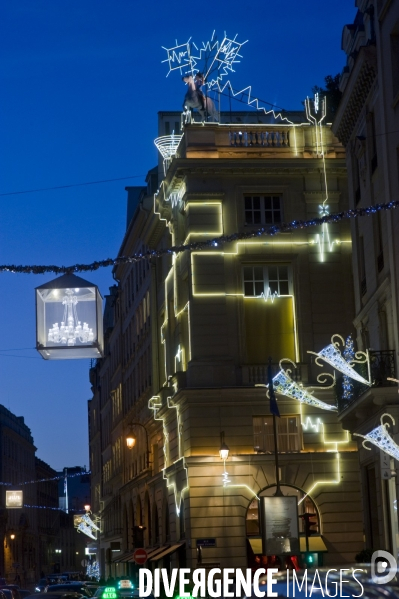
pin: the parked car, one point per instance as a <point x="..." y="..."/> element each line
<point x="73" y="587"/>
<point x="50" y="580"/>
<point x="131" y="594"/>
<point x="59" y="595"/>
<point x="14" y="588"/>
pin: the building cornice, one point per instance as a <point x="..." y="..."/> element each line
<point x="355" y="94"/>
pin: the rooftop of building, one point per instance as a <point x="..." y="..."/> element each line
<point x="15" y="423"/>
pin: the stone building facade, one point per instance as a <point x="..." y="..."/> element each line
<point x="366" y="122"/>
<point x="17" y="464"/>
<point x="190" y="337"/>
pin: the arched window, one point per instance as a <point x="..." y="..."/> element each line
<point x="147" y="524"/>
<point x="139" y="513"/>
<point x="155" y="522"/>
<point x="165" y="524"/>
<point x="182" y="521"/>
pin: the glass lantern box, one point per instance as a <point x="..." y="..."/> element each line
<point x="69" y="321"/>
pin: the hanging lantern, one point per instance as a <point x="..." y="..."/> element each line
<point x="69" y="319"/>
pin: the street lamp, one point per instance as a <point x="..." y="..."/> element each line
<point x="224" y="450"/>
<point x="131" y="439"/>
<point x="12" y="536"/>
<point x="87" y="507"/>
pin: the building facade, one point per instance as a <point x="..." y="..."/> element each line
<point x="190" y="336"/>
<point x="48" y="519"/>
<point x="19" y="527"/>
<point x="366" y="121"/>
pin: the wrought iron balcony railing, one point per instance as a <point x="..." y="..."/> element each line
<point x="382" y="367"/>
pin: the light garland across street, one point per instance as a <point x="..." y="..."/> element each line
<point x="43" y="480"/>
<point x="201" y="245"/>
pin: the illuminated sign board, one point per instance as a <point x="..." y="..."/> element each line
<point x="14" y="499"/>
<point x="109" y="593"/>
<point x="125" y="584"/>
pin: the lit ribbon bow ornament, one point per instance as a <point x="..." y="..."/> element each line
<point x="332" y="355"/>
<point x="380" y="437"/>
<point x="284" y="385"/>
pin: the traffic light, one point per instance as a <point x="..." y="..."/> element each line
<point x="138" y="536"/>
<point x="310" y="525"/>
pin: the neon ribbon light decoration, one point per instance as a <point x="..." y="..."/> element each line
<point x="284" y="385"/>
<point x="86" y="525"/>
<point x="380" y="437"/>
<point x="332" y="355"/>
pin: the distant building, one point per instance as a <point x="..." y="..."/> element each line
<point x="73" y="495"/>
<point x="74" y="489"/>
<point x="18" y="555"/>
<point x="48" y="519"/>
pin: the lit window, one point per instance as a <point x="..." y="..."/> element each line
<point x="270" y="280"/>
<point x="262" y="210"/>
<point x="288" y="433"/>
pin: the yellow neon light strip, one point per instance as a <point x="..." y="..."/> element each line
<point x="154" y="404"/>
<point x="325" y="482"/>
<point x="207" y="233"/>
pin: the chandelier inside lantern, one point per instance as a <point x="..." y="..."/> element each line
<point x="69" y="319"/>
<point x="70" y="331"/>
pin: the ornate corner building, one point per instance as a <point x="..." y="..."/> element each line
<point x="188" y="336"/>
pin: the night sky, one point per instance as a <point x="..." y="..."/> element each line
<point x="81" y="84"/>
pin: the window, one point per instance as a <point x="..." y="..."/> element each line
<point x="262" y="210"/>
<point x="269" y="280"/>
<point x="395" y="63"/>
<point x="288" y="434"/>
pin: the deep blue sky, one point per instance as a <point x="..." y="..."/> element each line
<point x="81" y="82"/>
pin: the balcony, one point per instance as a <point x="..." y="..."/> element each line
<point x="382" y="367"/>
<point x="256" y="374"/>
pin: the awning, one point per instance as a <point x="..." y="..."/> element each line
<point x="150" y="553"/>
<point x="316" y="544"/>
<point x="124" y="557"/>
<point x="168" y="551"/>
<point x="256" y="545"/>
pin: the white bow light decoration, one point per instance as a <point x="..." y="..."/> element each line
<point x="380" y="437"/>
<point x="284" y="385"/>
<point x="332" y="355"/>
<point x="86" y="525"/>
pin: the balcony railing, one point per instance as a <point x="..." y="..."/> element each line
<point x="255" y="374"/>
<point x="382" y="367"/>
<point x="272" y="138"/>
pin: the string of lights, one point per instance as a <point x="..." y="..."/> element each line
<point x="44" y="507"/>
<point x="203" y="245"/>
<point x="43" y="480"/>
<point x="15" y="193"/>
